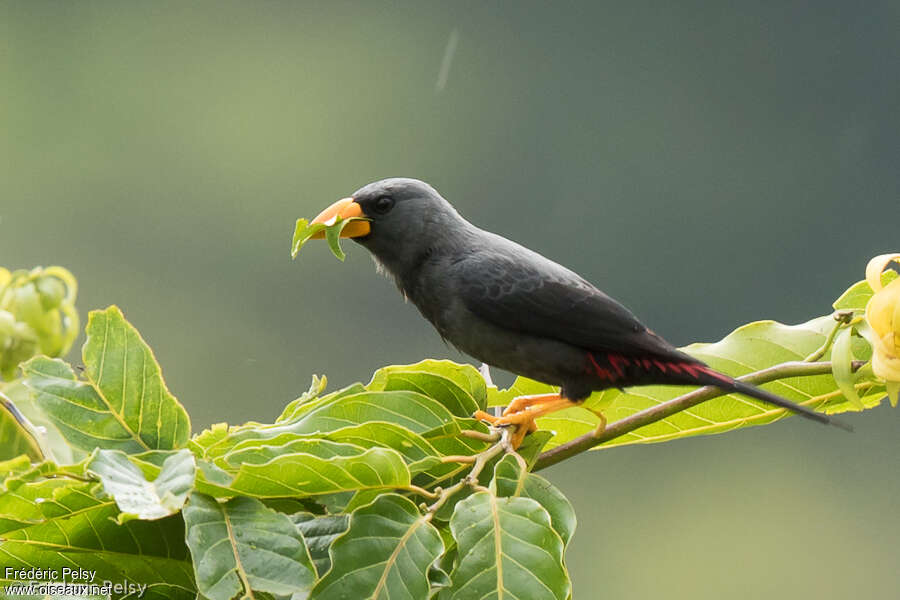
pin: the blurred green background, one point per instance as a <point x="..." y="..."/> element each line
<point x="707" y="163"/>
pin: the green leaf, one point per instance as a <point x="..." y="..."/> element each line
<point x="411" y="410"/>
<point x="510" y="480"/>
<point x="319" y="533"/>
<point x="447" y="440"/>
<point x="412" y="446"/>
<point x="242" y="546"/>
<point x="385" y="554"/>
<point x="13" y="466"/>
<point x="306" y="402"/>
<point x="842" y="365"/>
<point x="52" y="443"/>
<point x="346" y="441"/>
<point x="17" y="434"/>
<point x="60" y="523"/>
<point x="304" y="231"/>
<point x="326" y="416"/>
<point x="507" y="549"/>
<point x="308" y="475"/>
<point x="22" y="505"/>
<point x="257" y="452"/>
<point x="203" y="444"/>
<point x="135" y="496"/>
<point x="857" y="295"/>
<point x="315" y="390"/>
<point x="460" y="388"/>
<point x="123" y="404"/>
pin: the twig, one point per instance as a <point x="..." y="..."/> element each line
<point x="477" y="435"/>
<point x="481" y="460"/>
<point x="841" y="317"/>
<point x="423" y="492"/>
<point x="669" y="408"/>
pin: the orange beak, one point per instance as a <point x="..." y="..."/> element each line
<point x="344" y="209"/>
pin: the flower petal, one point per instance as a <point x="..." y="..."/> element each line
<point x="876" y="266"/>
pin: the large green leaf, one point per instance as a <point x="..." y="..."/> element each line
<point x="242" y="546"/>
<point x="342" y="442"/>
<point x="510" y="480"/>
<point x="325" y="417"/>
<point x="507" y="549"/>
<point x="308" y="475"/>
<point x="135" y="496"/>
<point x="460" y="388"/>
<point x="123" y="403"/>
<point x="262" y="451"/>
<point x="385" y="554"/>
<point x="63" y="523"/>
<point x="411" y="410"/>
<point x="319" y="533"/>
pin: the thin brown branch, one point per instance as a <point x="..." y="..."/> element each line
<point x="675" y="405"/>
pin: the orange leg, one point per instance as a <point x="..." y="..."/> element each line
<point x="522" y="402"/>
<point x="522" y="412"/>
<point x="602" y="425"/>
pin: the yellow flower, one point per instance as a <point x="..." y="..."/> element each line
<point x="883" y="316"/>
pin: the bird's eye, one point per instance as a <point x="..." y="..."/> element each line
<point x="383" y="205"/>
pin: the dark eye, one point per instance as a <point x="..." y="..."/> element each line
<point x="383" y="205"/>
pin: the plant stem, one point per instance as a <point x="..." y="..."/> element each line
<point x="841" y="318"/>
<point x="481" y="460"/>
<point x="669" y="408"/>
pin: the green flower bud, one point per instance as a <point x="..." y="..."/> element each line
<point x="51" y="290"/>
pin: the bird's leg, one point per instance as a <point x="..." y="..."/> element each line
<point x="523" y="411"/>
<point x="522" y="402"/>
<point x="601" y="427"/>
<point x="518" y="404"/>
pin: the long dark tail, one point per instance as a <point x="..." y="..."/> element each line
<point x="623" y="371"/>
<point x="804" y="411"/>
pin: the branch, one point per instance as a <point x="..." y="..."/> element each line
<point x="479" y="461"/>
<point x="670" y="407"/>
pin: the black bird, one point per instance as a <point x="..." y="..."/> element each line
<point x="514" y="309"/>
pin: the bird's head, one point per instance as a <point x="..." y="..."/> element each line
<point x="406" y="219"/>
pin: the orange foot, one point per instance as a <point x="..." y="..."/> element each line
<point x="522" y="412"/>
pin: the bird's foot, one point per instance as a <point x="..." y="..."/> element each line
<point x="522" y="421"/>
<point x="522" y="413"/>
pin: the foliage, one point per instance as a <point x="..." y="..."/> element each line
<point x="383" y="490"/>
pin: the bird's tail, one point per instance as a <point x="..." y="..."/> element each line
<point x="712" y="377"/>
<point x="682" y="369"/>
<point x="803" y="411"/>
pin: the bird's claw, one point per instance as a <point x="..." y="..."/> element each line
<point x="522" y="421"/>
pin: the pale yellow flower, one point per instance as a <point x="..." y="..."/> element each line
<point x="883" y="316"/>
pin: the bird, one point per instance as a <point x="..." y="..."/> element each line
<point x="514" y="309"/>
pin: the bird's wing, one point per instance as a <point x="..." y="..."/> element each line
<point x="520" y="290"/>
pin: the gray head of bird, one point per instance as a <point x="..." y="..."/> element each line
<point x="407" y="222"/>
